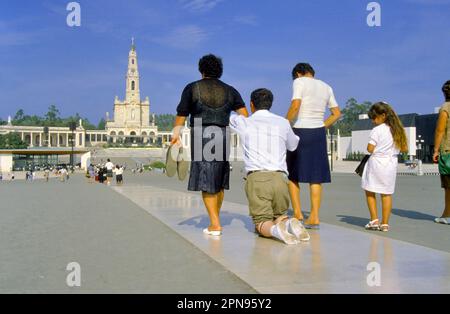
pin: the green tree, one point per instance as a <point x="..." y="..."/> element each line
<point x="52" y="116"/>
<point x="165" y="122"/>
<point x="88" y="125"/>
<point x="12" y="141"/>
<point x="51" y="119"/>
<point x="19" y="115"/>
<point x="350" y="114"/>
<point x="3" y="122"/>
<point x="101" y="124"/>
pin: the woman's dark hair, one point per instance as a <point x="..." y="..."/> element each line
<point x="394" y="123"/>
<point x="446" y="90"/>
<point x="302" y="68"/>
<point x="211" y="66"/>
<point x="262" y="99"/>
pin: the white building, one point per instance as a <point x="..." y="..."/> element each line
<point x="131" y="120"/>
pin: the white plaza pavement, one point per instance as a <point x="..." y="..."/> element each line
<point x="335" y="260"/>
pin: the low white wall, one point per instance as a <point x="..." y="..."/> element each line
<point x="85" y="160"/>
<point x="360" y="139"/>
<point x="345" y="147"/>
<point x="6" y="163"/>
<point x="411" y="135"/>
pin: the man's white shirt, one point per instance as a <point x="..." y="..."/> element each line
<point x="265" y="138"/>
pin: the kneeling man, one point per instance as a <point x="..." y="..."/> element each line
<point x="266" y="138"/>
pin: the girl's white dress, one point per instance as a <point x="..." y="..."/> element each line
<point x="380" y="172"/>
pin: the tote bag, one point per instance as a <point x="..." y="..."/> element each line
<point x="444" y="164"/>
<point x="360" y="170"/>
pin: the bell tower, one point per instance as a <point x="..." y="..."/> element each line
<point x="131" y="115"/>
<point x="133" y="94"/>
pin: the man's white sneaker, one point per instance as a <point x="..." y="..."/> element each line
<point x="283" y="234"/>
<point x="297" y="229"/>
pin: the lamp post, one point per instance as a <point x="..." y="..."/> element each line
<point x="72" y="127"/>
<point x="419" y="142"/>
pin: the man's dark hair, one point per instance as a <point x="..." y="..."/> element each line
<point x="262" y="99"/>
<point x="446" y="90"/>
<point x="211" y="66"/>
<point x="302" y="68"/>
<point x="109" y="160"/>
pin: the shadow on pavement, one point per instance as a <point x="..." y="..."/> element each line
<point x="411" y="214"/>
<point x="352" y="220"/>
<point x="226" y="218"/>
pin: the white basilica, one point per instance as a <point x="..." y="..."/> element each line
<point x="131" y="123"/>
<point x="132" y="116"/>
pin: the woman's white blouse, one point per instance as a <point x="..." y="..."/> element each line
<point x="316" y="97"/>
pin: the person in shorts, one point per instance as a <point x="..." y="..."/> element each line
<point x="442" y="148"/>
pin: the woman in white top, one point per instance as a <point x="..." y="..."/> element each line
<point x="386" y="141"/>
<point x="109" y="171"/>
<point x="309" y="163"/>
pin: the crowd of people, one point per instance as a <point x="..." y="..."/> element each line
<point x="104" y="173"/>
<point x="61" y="172"/>
<point x="297" y="152"/>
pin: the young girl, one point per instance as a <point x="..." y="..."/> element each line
<point x="386" y="141"/>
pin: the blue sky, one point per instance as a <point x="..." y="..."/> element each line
<point x="81" y="69"/>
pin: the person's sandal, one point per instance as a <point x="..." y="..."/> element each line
<point x="384" y="228"/>
<point x="442" y="220"/>
<point x="182" y="164"/>
<point x="216" y="233"/>
<point x="172" y="160"/>
<point x="373" y="225"/>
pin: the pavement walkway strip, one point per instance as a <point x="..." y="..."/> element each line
<point x="336" y="260"/>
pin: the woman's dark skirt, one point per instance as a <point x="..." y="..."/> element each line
<point x="309" y="162"/>
<point x="210" y="167"/>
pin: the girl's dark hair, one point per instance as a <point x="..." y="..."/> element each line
<point x="211" y="66"/>
<point x="393" y="121"/>
<point x="302" y="68"/>
<point x="446" y="90"/>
